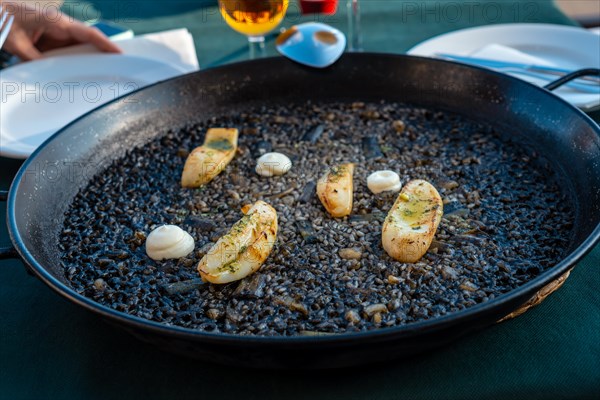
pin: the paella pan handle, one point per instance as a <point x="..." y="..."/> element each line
<point x="572" y="76"/>
<point x="7" y="252"/>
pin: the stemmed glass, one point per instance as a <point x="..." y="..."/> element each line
<point x="254" y="18"/>
<point x="329" y="7"/>
<point x="354" y="34"/>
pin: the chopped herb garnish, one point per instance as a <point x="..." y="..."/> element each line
<point x="220" y="144"/>
<point x="228" y="267"/>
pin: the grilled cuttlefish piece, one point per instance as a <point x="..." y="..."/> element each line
<point x="207" y="161"/>
<point x="244" y="249"/>
<point x="335" y="190"/>
<point x="412" y="222"/>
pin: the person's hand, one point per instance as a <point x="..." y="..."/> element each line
<point x="34" y="31"/>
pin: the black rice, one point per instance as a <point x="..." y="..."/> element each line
<point x="508" y="218"/>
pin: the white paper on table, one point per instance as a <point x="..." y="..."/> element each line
<point x="498" y="52"/>
<point x="175" y="47"/>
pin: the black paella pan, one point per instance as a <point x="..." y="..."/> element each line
<point x="37" y="201"/>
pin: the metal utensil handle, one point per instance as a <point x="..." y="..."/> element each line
<point x="572" y="76"/>
<point x="575" y="84"/>
<point x="7" y="252"/>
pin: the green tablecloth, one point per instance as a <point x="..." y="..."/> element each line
<point x="51" y="349"/>
<point x="388" y="25"/>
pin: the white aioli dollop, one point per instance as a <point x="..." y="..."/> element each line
<point x="384" y="181"/>
<point x="169" y="241"/>
<point x="271" y="164"/>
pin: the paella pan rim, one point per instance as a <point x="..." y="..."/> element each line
<point x="396" y="332"/>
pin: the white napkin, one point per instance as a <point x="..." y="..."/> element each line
<point x="498" y="52"/>
<point x="174" y="47"/>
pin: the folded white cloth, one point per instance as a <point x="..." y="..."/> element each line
<point x="174" y="47"/>
<point x="500" y="52"/>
